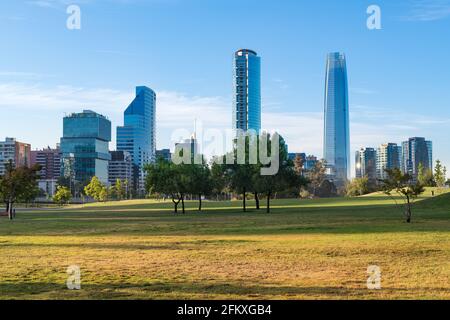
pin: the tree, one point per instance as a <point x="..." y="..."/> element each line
<point x="219" y="178"/>
<point x="120" y="190"/>
<point x="169" y="179"/>
<point x="240" y="174"/>
<point x="425" y="176"/>
<point x="326" y="189"/>
<point x="317" y="176"/>
<point x="18" y="184"/>
<point x="298" y="165"/>
<point x="358" y="187"/>
<point x="241" y="181"/>
<point x="404" y="186"/>
<point x="96" y="190"/>
<point x="285" y="178"/>
<point x="440" y="174"/>
<point x="199" y="181"/>
<point x="62" y="195"/>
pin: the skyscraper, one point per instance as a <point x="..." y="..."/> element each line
<point x="388" y="157"/>
<point x="247" y="90"/>
<point x="366" y="164"/>
<point x="120" y="167"/>
<point x="417" y="151"/>
<point x="50" y="161"/>
<point x="336" y="126"/>
<point x="137" y="135"/>
<point x="85" y="146"/>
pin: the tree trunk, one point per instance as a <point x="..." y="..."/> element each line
<point x="175" y="204"/>
<point x="408" y="212"/>
<point x="268" y="202"/>
<point x="182" y="203"/>
<point x="7" y="207"/>
<point x="243" y="201"/>
<point x="10" y="210"/>
<point x="199" y="202"/>
<point x="257" y="200"/>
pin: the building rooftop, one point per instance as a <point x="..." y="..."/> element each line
<point x="241" y="51"/>
<point x="86" y="114"/>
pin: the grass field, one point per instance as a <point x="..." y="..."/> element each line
<point x="304" y="249"/>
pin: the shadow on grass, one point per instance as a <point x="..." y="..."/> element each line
<point x="197" y="290"/>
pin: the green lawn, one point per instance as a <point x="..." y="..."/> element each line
<point x="304" y="249"/>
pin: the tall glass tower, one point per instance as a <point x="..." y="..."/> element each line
<point x="137" y="135"/>
<point x="84" y="147"/>
<point x="417" y="151"/>
<point x="247" y="90"/>
<point x="336" y="127"/>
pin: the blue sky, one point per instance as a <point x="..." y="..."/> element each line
<point x="398" y="76"/>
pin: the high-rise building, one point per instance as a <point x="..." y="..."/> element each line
<point x="388" y="157"/>
<point x="366" y="164"/>
<point x="85" y="146"/>
<point x="137" y="135"/>
<point x="416" y="151"/>
<point x="120" y="167"/>
<point x="336" y="126"/>
<point x="311" y="162"/>
<point x="293" y="155"/>
<point x="14" y="152"/>
<point x="50" y="161"/>
<point x="164" y="154"/>
<point x="247" y="90"/>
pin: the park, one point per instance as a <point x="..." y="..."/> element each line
<point x="302" y="249"/>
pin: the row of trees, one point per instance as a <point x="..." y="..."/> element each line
<point x="178" y="181"/>
<point x="429" y="179"/>
<point x="96" y="190"/>
<point x="425" y="177"/>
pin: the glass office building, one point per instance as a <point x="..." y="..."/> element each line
<point x="85" y="146"/>
<point x="137" y="135"/>
<point x="388" y="157"/>
<point x="336" y="126"/>
<point x="247" y="90"/>
<point x="416" y="151"/>
<point x="366" y="164"/>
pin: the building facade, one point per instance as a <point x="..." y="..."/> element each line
<point x="164" y="154"/>
<point x="388" y="157"/>
<point x="120" y="168"/>
<point x="336" y="126"/>
<point x="366" y="164"/>
<point x="14" y="152"/>
<point x="137" y="135"/>
<point x="50" y="161"/>
<point x="247" y="90"/>
<point x="416" y="151"/>
<point x="85" y="146"/>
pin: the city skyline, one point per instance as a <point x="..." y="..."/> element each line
<point x="382" y="106"/>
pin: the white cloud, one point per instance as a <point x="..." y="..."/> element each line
<point x="428" y="10"/>
<point x="60" y="98"/>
